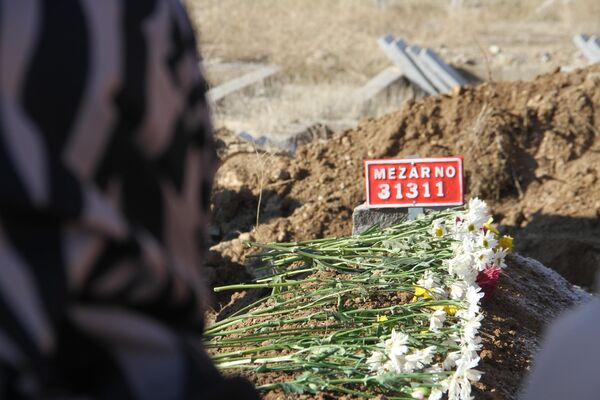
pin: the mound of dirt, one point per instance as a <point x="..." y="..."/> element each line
<point x="514" y="320"/>
<point x="532" y="150"/>
<point x="529" y="296"/>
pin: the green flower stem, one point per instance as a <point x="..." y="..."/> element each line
<point x="285" y="275"/>
<point x="326" y="347"/>
<point x="263" y="285"/>
<point x="251" y="360"/>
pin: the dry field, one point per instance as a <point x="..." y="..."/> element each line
<point x="327" y="50"/>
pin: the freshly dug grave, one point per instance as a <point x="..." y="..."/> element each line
<point x="529" y="296"/>
<point x="531" y="149"/>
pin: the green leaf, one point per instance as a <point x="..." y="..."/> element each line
<point x="262" y="368"/>
<point x="293" y="387"/>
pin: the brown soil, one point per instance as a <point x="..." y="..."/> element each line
<point x="532" y="150"/>
<point x="528" y="297"/>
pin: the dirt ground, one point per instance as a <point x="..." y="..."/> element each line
<point x="532" y="150"/>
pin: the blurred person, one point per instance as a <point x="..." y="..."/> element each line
<point x="106" y="166"/>
<point x="567" y="364"/>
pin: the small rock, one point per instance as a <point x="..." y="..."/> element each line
<point x="281" y="175"/>
<point x="214" y="230"/>
<point x="592" y="81"/>
<point x="245" y="237"/>
<point x="545" y="57"/>
<point x="495" y="50"/>
<point x="457" y="90"/>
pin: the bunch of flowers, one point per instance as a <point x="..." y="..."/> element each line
<point x="478" y="257"/>
<point x="393" y="312"/>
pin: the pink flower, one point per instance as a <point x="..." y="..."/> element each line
<point x="488" y="279"/>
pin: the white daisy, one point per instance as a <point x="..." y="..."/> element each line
<point x="438" y="229"/>
<point x="435" y="394"/>
<point x="450" y="360"/>
<point x="427" y="281"/>
<point x="437" y="320"/>
<point x="376" y="361"/>
<point x="477" y="214"/>
<point x="458" y="289"/>
<point x="487" y="239"/>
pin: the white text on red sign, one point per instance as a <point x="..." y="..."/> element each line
<point x="414" y="182"/>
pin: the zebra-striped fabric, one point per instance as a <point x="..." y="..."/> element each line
<point x="106" y="162"/>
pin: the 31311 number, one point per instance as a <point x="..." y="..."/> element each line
<point x="410" y="190"/>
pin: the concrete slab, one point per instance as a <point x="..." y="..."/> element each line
<point x="364" y="218"/>
<point x="234" y="85"/>
<point x="594" y="46"/>
<point x="444" y="71"/>
<point x="581" y="41"/>
<point x="396" y="51"/>
<point x="378" y="83"/>
<point x="415" y="54"/>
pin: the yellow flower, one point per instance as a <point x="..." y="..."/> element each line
<point x="422" y="292"/>
<point x="439" y="232"/>
<point x="448" y="309"/>
<point x="489" y="227"/>
<point x="506" y="242"/>
<point x="382" y="318"/>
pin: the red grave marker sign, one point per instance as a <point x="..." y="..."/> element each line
<point x="414" y="182"/>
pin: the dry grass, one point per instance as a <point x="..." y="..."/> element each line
<point x="319" y="40"/>
<point x="326" y="39"/>
<point x="298" y="106"/>
<point x="327" y="48"/>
